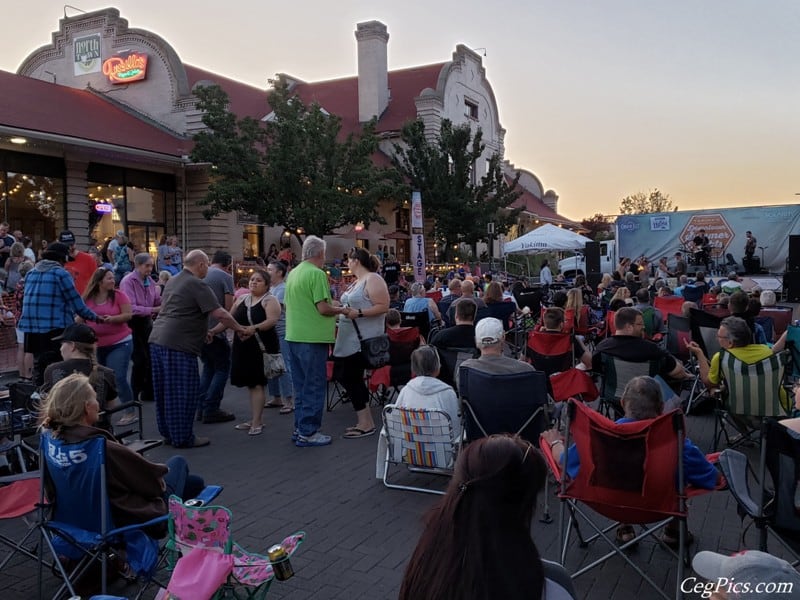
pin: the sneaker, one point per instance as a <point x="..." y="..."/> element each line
<point x="318" y="439"/>
<point x="128" y="419"/>
<point x="296" y="434"/>
<point x="198" y="442"/>
<point x="218" y="416"/>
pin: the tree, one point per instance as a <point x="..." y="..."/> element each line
<point x="641" y="203"/>
<point x="441" y="170"/>
<point x="292" y="171"/>
<point x="597" y="227"/>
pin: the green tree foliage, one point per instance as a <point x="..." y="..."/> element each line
<point x="597" y="227"/>
<point x="442" y="171"/>
<point x="641" y="203"/>
<point x="293" y="171"/>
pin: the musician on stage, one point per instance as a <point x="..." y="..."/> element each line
<point x="702" y="249"/>
<point x="749" y="245"/>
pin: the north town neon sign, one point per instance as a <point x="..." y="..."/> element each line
<point x="126" y="67"/>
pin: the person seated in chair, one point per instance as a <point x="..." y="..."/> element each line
<point x="138" y="489"/>
<point x="736" y="337"/>
<point x="462" y="334"/>
<point x="739" y="305"/>
<point x="477" y="541"/>
<point x="628" y="344"/>
<point x="653" y="319"/>
<point x="419" y="302"/>
<point x="79" y="351"/>
<point x="553" y="322"/>
<point x="454" y="289"/>
<point x="642" y="399"/>
<point x="489" y="337"/>
<point x="426" y="391"/>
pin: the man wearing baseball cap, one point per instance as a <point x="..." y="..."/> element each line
<point x="489" y="335"/>
<point x="51" y="303"/>
<point x="81" y="265"/>
<point x="747" y="574"/>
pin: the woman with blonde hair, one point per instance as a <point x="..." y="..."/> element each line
<point x="137" y="489"/>
<point x="620" y="299"/>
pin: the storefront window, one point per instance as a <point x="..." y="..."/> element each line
<point x="251" y="241"/>
<point x="30" y="204"/>
<point x="106" y="211"/>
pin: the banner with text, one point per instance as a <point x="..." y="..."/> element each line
<point x="417" y="237"/>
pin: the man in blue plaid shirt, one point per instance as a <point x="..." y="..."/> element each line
<point x="50" y="304"/>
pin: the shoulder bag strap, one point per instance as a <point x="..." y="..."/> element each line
<point x="250" y="319"/>
<point x="358" y="333"/>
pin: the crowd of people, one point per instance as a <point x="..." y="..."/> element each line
<point x="100" y="331"/>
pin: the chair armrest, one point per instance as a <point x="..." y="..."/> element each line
<point x="734" y="467"/>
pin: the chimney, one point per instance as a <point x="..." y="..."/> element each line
<point x="373" y="76"/>
<point x="550" y="200"/>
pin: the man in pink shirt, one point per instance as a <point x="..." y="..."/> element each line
<point x="145" y="297"/>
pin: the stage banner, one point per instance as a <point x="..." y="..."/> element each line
<point x="417" y="237"/>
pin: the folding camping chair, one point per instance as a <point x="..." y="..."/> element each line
<point x="772" y="509"/>
<point x="402" y="343"/>
<point x="424" y="440"/>
<point x="450" y="360"/>
<point x="19" y="498"/>
<point x="205" y="561"/>
<point x="622" y="477"/>
<point x="679" y="333"/>
<point x="514" y="403"/>
<point x="615" y="374"/>
<point x="421" y="320"/>
<point x="77" y="525"/>
<point x="705" y="326"/>
<point x="504" y="311"/>
<point x="751" y="392"/>
<point x="335" y="393"/>
<point x="669" y="306"/>
<point x="551" y="352"/>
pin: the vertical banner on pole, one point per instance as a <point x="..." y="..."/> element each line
<point x="417" y="237"/>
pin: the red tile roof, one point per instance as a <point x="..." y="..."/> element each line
<point x="56" y="109"/>
<point x="337" y="96"/>
<point x="533" y="204"/>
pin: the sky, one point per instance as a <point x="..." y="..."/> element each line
<point x="599" y="99"/>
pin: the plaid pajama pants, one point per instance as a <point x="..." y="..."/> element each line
<point x="176" y="390"/>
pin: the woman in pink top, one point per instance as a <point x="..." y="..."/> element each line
<point x="114" y="338"/>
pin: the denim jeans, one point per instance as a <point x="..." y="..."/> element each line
<point x="216" y="359"/>
<point x="178" y="481"/>
<point x="309" y="377"/>
<point x="282" y="386"/>
<point x="117" y="357"/>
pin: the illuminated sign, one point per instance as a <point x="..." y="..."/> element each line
<point x="87" y="54"/>
<point x="126" y="67"/>
<point x="103" y="208"/>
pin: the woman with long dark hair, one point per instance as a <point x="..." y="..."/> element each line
<point x="477" y="542"/>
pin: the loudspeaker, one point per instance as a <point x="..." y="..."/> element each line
<point x="592" y="254"/>
<point x="793" y="264"/>
<point x="751" y="265"/>
<point x="791" y="286"/>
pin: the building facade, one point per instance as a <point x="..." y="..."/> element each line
<point x="96" y="135"/>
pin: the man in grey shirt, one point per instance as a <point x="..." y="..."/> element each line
<point x="489" y="336"/>
<point x="216" y="354"/>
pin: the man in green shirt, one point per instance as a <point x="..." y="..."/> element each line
<point x="310" y="329"/>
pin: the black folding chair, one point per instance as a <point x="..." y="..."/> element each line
<point x="421" y="320"/>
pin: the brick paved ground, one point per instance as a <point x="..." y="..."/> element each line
<point x="361" y="534"/>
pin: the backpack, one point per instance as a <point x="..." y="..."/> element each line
<point x="649" y="316"/>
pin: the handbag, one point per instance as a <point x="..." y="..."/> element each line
<point x="274" y="366"/>
<point x="375" y="350"/>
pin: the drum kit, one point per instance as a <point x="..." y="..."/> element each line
<point x="702" y="254"/>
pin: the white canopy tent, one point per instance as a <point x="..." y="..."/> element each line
<point x="547" y="238"/>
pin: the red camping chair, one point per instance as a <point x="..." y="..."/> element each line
<point x="621" y="477"/>
<point x="669" y="305"/>
<point x="385" y="382"/>
<point x="550" y="352"/>
<point x="19" y="497"/>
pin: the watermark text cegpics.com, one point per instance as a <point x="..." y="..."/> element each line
<point x="730" y="587"/>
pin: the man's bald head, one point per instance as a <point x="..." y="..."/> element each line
<point x="196" y="261"/>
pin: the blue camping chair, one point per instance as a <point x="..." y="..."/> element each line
<point x="78" y="531"/>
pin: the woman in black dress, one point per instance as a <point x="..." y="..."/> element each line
<point x="258" y="311"/>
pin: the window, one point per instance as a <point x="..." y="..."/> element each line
<point x="471" y="109"/>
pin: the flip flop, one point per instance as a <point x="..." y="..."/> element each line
<point x="272" y="405"/>
<point x="286" y="410"/>
<point x="258" y="430"/>
<point x="243" y="426"/>
<point x="625" y="533"/>
<point x="354" y="432"/>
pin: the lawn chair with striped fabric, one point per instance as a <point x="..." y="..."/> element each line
<point x="421" y="439"/>
<point x="751" y="392"/>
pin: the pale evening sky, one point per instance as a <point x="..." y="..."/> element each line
<point x="699" y="98"/>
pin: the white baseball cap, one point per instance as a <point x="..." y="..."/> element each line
<point x="750" y="566"/>
<point x="489" y="331"/>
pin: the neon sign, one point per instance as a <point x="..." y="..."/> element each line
<point x="126" y="67"/>
<point x="103" y="208"/>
